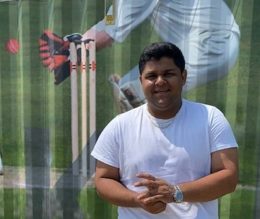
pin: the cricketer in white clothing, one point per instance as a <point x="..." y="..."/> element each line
<point x="205" y="31"/>
<point x="169" y="158"/>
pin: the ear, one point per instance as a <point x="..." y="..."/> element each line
<point x="184" y="76"/>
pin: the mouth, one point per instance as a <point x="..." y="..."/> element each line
<point x="161" y="91"/>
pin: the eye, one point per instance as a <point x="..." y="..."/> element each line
<point x="150" y="76"/>
<point x="169" y="74"/>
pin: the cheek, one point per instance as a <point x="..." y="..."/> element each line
<point x="146" y="91"/>
<point x="148" y="83"/>
<point x="147" y="86"/>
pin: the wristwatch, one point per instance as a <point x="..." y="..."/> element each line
<point x="177" y="194"/>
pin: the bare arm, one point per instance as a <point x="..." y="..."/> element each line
<point x="222" y="180"/>
<point x="101" y="37"/>
<point x="109" y="187"/>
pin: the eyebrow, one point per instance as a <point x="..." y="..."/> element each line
<point x="165" y="70"/>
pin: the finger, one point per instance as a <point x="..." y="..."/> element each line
<point x="44" y="48"/>
<point x="153" y="199"/>
<point x="42" y="42"/>
<point x="47" y="62"/>
<point x="45" y="55"/>
<point x="150" y="184"/>
<point x="146" y="176"/>
<point x="143" y="195"/>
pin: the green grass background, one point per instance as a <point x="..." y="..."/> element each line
<point x="30" y="100"/>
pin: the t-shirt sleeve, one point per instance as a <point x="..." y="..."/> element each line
<point x="221" y="134"/>
<point x="128" y="15"/>
<point x="106" y="148"/>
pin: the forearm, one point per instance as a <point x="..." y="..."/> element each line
<point x="210" y="187"/>
<point x="116" y="193"/>
<point x="101" y="37"/>
<point x="221" y="181"/>
<point x="204" y="189"/>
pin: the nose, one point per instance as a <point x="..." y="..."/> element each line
<point x="160" y="80"/>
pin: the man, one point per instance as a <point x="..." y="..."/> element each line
<point x="169" y="158"/>
<point x="205" y="30"/>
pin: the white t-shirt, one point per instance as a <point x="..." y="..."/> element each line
<point x="177" y="150"/>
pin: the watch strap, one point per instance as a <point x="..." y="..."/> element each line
<point x="177" y="194"/>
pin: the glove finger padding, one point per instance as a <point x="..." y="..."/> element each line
<point x="56" y="45"/>
<point x="54" y="53"/>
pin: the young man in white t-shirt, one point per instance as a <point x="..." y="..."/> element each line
<point x="169" y="158"/>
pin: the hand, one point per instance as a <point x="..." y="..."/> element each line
<point x="152" y="207"/>
<point x="158" y="190"/>
<point x="102" y="38"/>
<point x="54" y="52"/>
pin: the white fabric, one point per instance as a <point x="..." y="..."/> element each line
<point x="205" y="31"/>
<point x="172" y="19"/>
<point x="177" y="150"/>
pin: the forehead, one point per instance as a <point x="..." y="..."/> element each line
<point x="164" y="63"/>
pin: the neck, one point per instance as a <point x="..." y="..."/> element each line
<point x="165" y="113"/>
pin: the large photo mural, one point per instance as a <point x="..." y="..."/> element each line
<point x="120" y="109"/>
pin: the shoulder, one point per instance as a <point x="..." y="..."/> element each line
<point x="124" y="121"/>
<point x="201" y="110"/>
<point x="198" y="107"/>
<point x="132" y="114"/>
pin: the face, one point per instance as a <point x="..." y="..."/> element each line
<point x="162" y="83"/>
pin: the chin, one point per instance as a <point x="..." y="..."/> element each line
<point x="163" y="107"/>
<point x="163" y="104"/>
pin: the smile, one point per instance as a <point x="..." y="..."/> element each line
<point x="161" y="91"/>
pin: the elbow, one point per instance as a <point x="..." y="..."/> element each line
<point x="98" y="193"/>
<point x="233" y="181"/>
<point x="232" y="187"/>
<point x="97" y="187"/>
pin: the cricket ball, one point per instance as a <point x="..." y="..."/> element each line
<point x="12" y="46"/>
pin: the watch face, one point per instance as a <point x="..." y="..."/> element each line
<point x="178" y="196"/>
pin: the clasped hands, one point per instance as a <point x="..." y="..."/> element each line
<point x="158" y="193"/>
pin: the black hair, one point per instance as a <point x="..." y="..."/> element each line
<point x="156" y="51"/>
